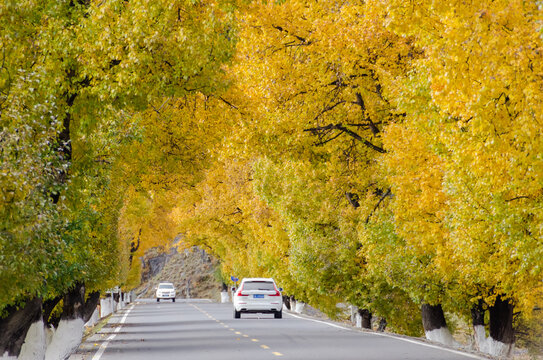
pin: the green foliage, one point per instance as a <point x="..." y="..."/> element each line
<point x="74" y="78"/>
<point x="529" y="327"/>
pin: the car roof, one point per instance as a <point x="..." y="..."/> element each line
<point x="165" y="283"/>
<point x="257" y="279"/>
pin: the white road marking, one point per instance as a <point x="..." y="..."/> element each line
<point x="473" y="356"/>
<point x="320" y="321"/>
<point x="104" y="345"/>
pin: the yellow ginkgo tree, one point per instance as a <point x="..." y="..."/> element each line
<point x="308" y="80"/>
<point x="480" y="76"/>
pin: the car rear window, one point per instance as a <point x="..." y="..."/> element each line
<point x="258" y="285"/>
<point x="165" y="286"/>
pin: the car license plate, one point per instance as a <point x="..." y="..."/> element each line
<point x="258" y="296"/>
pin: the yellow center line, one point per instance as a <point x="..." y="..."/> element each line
<point x="265" y="347"/>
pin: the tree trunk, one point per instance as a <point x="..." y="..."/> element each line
<point x="382" y="325"/>
<point x="435" y="325"/>
<point x="47" y="308"/>
<point x="286" y="301"/>
<point x="75" y="305"/>
<point x="90" y="305"/>
<point x="478" y="314"/>
<point x="14" y="327"/>
<point x="300" y="306"/>
<point x="366" y="318"/>
<point x="75" y="313"/>
<point x="35" y="342"/>
<point x="292" y="302"/>
<point x="224" y="294"/>
<point x="478" y="322"/>
<point x="433" y="317"/>
<point x="502" y="337"/>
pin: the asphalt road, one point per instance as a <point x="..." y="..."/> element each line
<point x="201" y="330"/>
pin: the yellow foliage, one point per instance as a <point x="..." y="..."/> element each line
<point x="479" y="69"/>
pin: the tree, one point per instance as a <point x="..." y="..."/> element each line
<point x="313" y="75"/>
<point x="478" y="75"/>
<point x="225" y="216"/>
<point x="91" y="67"/>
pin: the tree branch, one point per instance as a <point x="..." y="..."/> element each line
<point x="385" y="195"/>
<point x="303" y="40"/>
<point x="517" y="198"/>
<point x="329" y="108"/>
<point x="228" y="103"/>
<point x="349" y="132"/>
<point x="360" y="102"/>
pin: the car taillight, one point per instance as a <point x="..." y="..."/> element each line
<point x="240" y="290"/>
<point x="277" y="293"/>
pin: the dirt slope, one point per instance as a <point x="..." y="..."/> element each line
<point x="192" y="271"/>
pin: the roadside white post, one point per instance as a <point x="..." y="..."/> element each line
<point x="105" y="307"/>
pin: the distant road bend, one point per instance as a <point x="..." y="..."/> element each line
<point x="201" y="330"/>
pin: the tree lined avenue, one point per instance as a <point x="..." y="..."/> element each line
<point x="384" y="154"/>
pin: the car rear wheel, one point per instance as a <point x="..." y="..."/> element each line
<point x="157" y="300"/>
<point x="278" y="315"/>
<point x="237" y="314"/>
<point x="173" y="300"/>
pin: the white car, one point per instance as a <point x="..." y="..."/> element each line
<point x="258" y="295"/>
<point x="165" y="290"/>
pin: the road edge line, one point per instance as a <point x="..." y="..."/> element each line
<point x="104" y="345"/>
<point x="321" y="322"/>
<point x="413" y="341"/>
